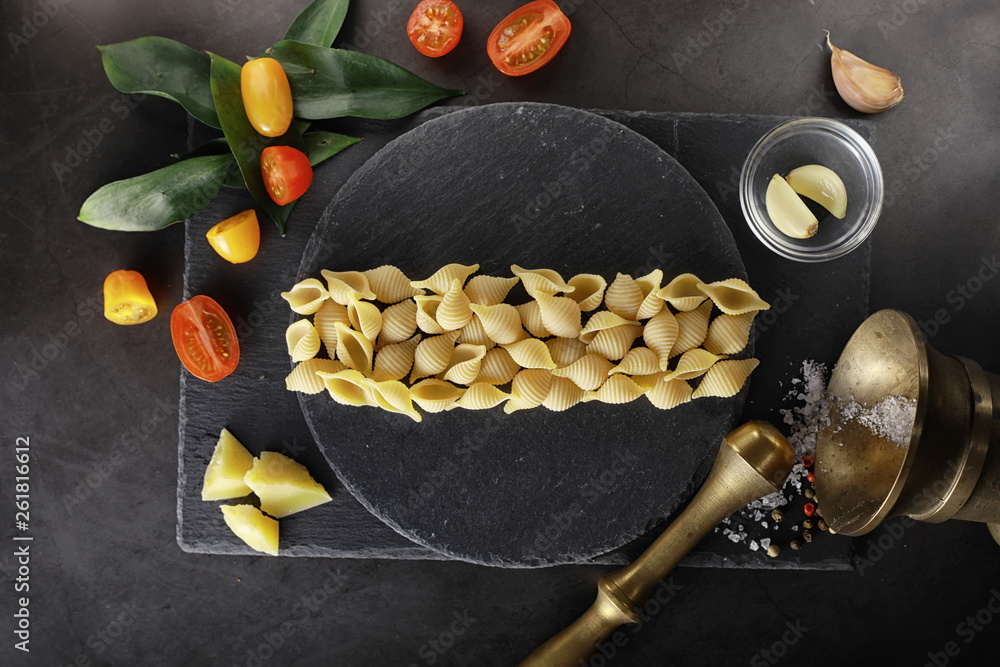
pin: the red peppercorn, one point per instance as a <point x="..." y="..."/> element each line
<point x="811" y="477"/>
<point x="807" y="461"/>
<point x="809" y="509"/>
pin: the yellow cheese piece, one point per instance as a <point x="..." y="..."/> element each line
<point x="284" y="486"/>
<point x="225" y="472"/>
<point x="250" y="525"/>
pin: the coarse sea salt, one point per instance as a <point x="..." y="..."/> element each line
<point x="890" y="419"/>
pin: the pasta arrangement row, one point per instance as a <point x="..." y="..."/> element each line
<point x="452" y="341"/>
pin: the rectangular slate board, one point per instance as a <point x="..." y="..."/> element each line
<point x="815" y="308"/>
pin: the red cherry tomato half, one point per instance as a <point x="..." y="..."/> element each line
<point x="287" y="173"/>
<point x="435" y="27"/>
<point x="204" y="338"/>
<point x="528" y="38"/>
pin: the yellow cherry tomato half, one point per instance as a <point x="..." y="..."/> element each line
<point x="236" y="239"/>
<point x="267" y="97"/>
<point x="127" y="299"/>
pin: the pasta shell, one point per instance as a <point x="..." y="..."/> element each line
<point x="348" y="387"/>
<point x="394" y="396"/>
<point x="432" y="355"/>
<point x="668" y="394"/>
<point x="588" y="372"/>
<point x="624" y="297"/>
<point x="354" y="349"/>
<point x="616" y="390"/>
<point x="435" y="395"/>
<point x="604" y="319"/>
<point x="390" y="285"/>
<point x="638" y="361"/>
<point x="563" y="394"/>
<point x="306" y="296"/>
<point x="474" y="333"/>
<point x="528" y="389"/>
<point x="660" y="334"/>
<point x="531" y="318"/>
<point x="615" y="342"/>
<point x="565" y="351"/>
<point x="303" y="377"/>
<point x="729" y="334"/>
<point x="342" y="285"/>
<point x="692" y="364"/>
<point x="647" y="381"/>
<point x="302" y="340"/>
<point x="365" y="317"/>
<point x="531" y="353"/>
<point x="498" y="367"/>
<point x="441" y="281"/>
<point x="560" y="315"/>
<point x="733" y="296"/>
<point x="541" y="281"/>
<point x="399" y="323"/>
<point x="725" y="378"/>
<point x="394" y="361"/>
<point x="692" y="327"/>
<point x="427" y="307"/>
<point x="464" y="364"/>
<point x="454" y="311"/>
<point x="502" y="322"/>
<point x="682" y="292"/>
<point x="489" y="290"/>
<point x="588" y="290"/>
<point x="651" y="303"/>
<point x="325" y="321"/>
<point x="482" y="396"/>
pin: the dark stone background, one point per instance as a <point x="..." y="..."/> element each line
<point x="109" y="584"/>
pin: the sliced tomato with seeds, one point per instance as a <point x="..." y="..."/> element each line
<point x="528" y="38"/>
<point x="435" y="27"/>
<point x="287" y="173"/>
<point x="205" y="338"/>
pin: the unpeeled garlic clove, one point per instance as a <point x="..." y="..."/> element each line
<point x="865" y="87"/>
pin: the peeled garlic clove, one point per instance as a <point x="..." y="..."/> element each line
<point x="865" y="87"/>
<point x="789" y="213"/>
<point x="822" y="185"/>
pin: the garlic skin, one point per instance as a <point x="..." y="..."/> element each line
<point x="865" y="87"/>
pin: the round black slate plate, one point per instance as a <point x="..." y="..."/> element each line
<point x="539" y="186"/>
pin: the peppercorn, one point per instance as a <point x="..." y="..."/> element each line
<point x="809" y="493"/>
<point x="811" y="477"/>
<point x="773" y="551"/>
<point x="822" y="525"/>
<point x="809" y="509"/>
<point x="808" y="523"/>
<point x="807" y="535"/>
<point x="795" y="545"/>
<point x="807" y="461"/>
<point x="777" y="515"/>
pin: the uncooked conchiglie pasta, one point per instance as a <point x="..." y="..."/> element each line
<point x="306" y="296"/>
<point x="588" y="372"/>
<point x="393" y="362"/>
<point x="394" y="396"/>
<point x="302" y="340"/>
<point x="489" y="290"/>
<point x="342" y="285"/>
<point x="563" y="394"/>
<point x="541" y="281"/>
<point x="615" y="342"/>
<point x="482" y="396"/>
<point x="325" y="320"/>
<point x="433" y="354"/>
<point x="465" y="363"/>
<point x="348" y="387"/>
<point x="454" y="311"/>
<point x="531" y="353"/>
<point x="531" y="318"/>
<point x="427" y="307"/>
<point x="560" y="315"/>
<point x="565" y="351"/>
<point x="588" y="290"/>
<point x="399" y="323"/>
<point x="682" y="292"/>
<point x="729" y="334"/>
<point x="474" y="333"/>
<point x="441" y="281"/>
<point x="733" y="296"/>
<point x="692" y="364"/>
<point x="668" y="394"/>
<point x="529" y="389"/>
<point x="501" y="322"/>
<point x="498" y="367"/>
<point x="638" y="361"/>
<point x="660" y="334"/>
<point x="616" y="390"/>
<point x="692" y="327"/>
<point x="725" y="378"/>
<point x="436" y="395"/>
<point x="365" y="317"/>
<point x="600" y="321"/>
<point x="651" y="303"/>
<point x="390" y="285"/>
<point x="303" y="377"/>
<point x="354" y="349"/>
<point x="623" y="297"/>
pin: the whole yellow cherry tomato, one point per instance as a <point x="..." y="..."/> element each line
<point x="267" y="96"/>
<point x="127" y="299"/>
<point x="236" y="239"/>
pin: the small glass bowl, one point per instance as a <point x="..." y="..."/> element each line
<point x="814" y="141"/>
